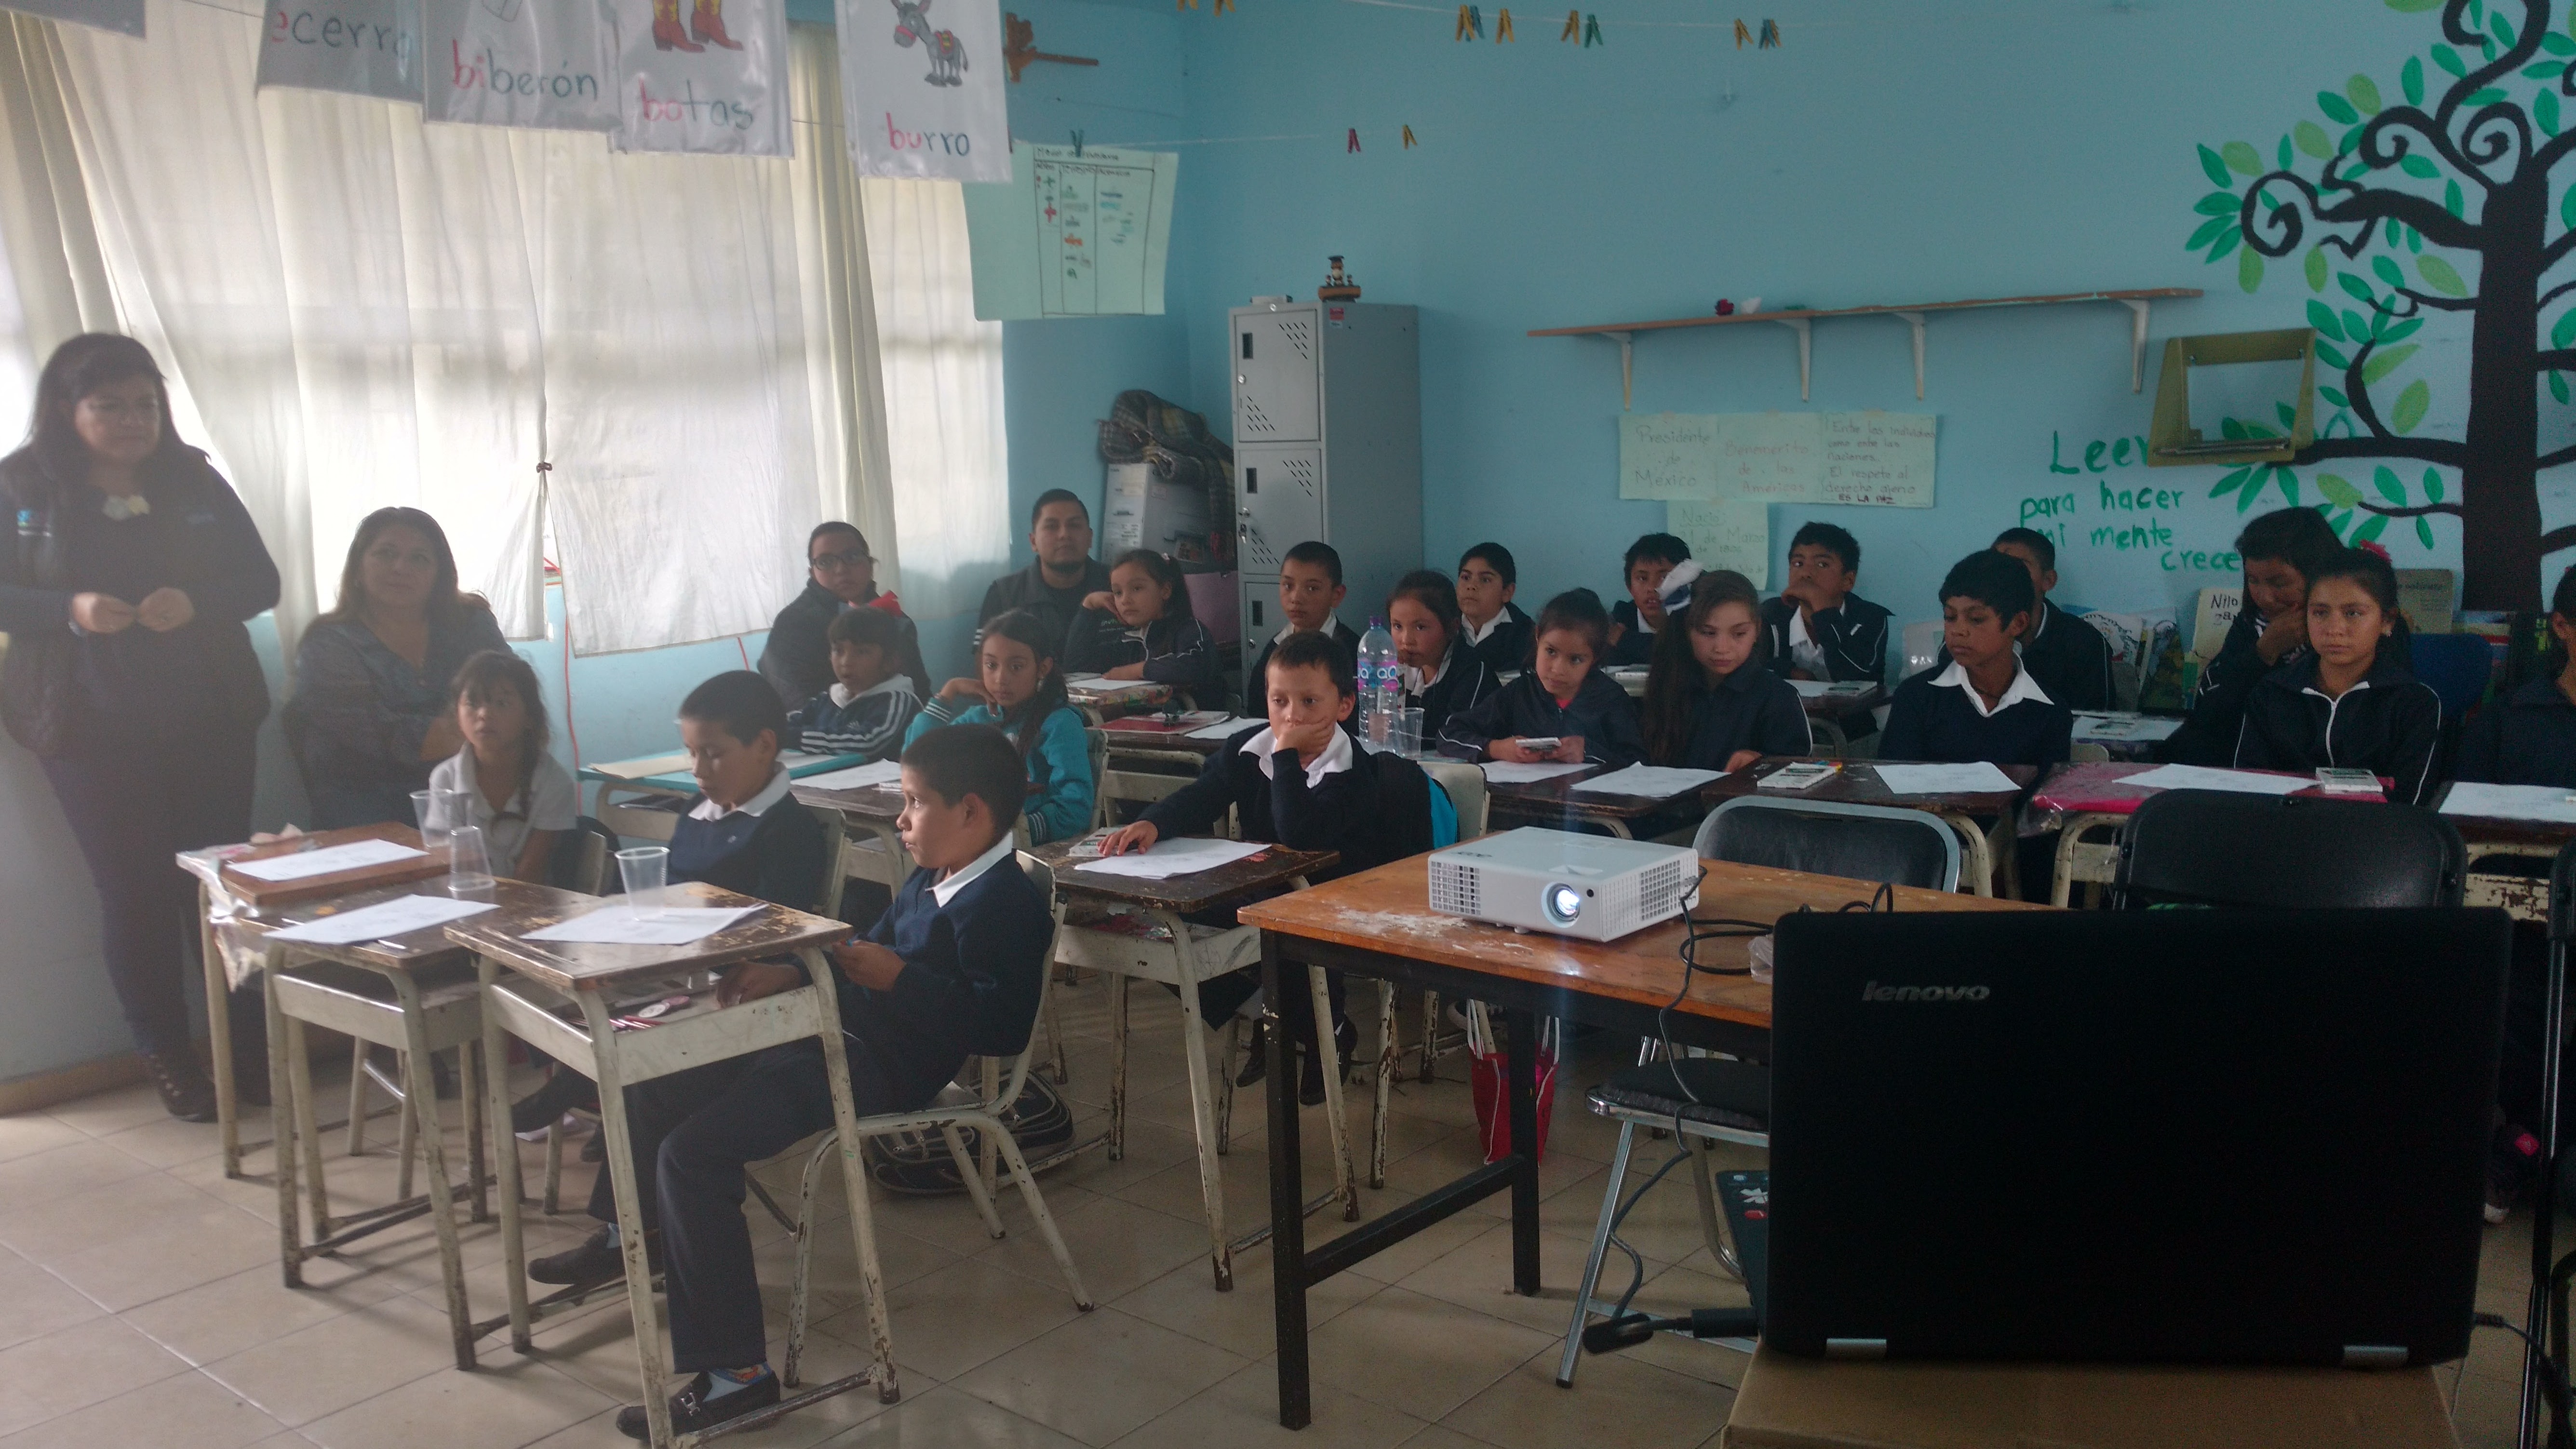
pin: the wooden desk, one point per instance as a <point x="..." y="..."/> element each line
<point x="1144" y="734"/>
<point x="1554" y="800"/>
<point x="559" y="998"/>
<point x="870" y="814"/>
<point x="1106" y="699"/>
<point x="1858" y="784"/>
<point x="1827" y="712"/>
<point x="1378" y="923"/>
<point x="2524" y="897"/>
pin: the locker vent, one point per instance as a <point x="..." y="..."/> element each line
<point x="1251" y="420"/>
<point x="1299" y="334"/>
<point x="1453" y="887"/>
<point x="1300" y="471"/>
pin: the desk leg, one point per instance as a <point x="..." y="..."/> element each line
<point x="219" y="1034"/>
<point x="854" y="1176"/>
<point x="290" y="1213"/>
<point x="1118" y="1062"/>
<point x="496" y="1110"/>
<point x="630" y="1219"/>
<point x="1337" y="1123"/>
<point x="419" y="1085"/>
<point x="1385" y="1082"/>
<point x="1202" y="1113"/>
<point x="1522" y="1063"/>
<point x="1980" y="863"/>
<point x="1287" y="1204"/>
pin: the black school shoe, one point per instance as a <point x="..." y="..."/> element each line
<point x="1310" y="1078"/>
<point x="692" y="1412"/>
<point x="597" y="1260"/>
<point x="185" y="1092"/>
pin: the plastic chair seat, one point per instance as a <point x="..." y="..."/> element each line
<point x="1710" y="1091"/>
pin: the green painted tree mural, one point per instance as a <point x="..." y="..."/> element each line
<point x="2442" y="203"/>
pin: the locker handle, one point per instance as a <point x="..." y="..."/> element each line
<point x="1251" y="480"/>
<point x="1247" y="347"/>
<point x="1256" y="613"/>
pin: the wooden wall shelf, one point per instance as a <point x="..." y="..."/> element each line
<point x="1911" y="314"/>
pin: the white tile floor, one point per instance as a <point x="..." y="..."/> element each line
<point x="140" y="1303"/>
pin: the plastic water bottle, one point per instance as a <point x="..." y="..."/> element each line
<point x="1381" y="682"/>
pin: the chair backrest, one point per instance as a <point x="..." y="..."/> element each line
<point x="1465" y="786"/>
<point x="2457" y="666"/>
<point x="2088" y="755"/>
<point x="2222" y="848"/>
<point x="1018" y="1075"/>
<point x="651" y="819"/>
<point x="835" y="834"/>
<point x="1135" y="786"/>
<point x="584" y="858"/>
<point x="1825" y="837"/>
<point x="1922" y="640"/>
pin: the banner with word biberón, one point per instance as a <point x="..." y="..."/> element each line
<point x="702" y="75"/>
<point x="921" y="88"/>
<point x="548" y="64"/>
<point x="357" y="47"/>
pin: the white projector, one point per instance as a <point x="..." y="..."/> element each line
<point x="1590" y="886"/>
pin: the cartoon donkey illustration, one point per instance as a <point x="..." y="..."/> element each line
<point x="947" y="57"/>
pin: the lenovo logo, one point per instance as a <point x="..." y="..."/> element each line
<point x="1875" y="992"/>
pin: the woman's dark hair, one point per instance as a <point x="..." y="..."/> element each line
<point x="1176" y="610"/>
<point x="1432" y="590"/>
<point x="2299" y="537"/>
<point x="495" y="669"/>
<point x="1579" y="610"/>
<point x="1675" y="680"/>
<point x="78" y="368"/>
<point x="446" y="601"/>
<point x="1026" y="629"/>
<point x="1995" y="580"/>
<point x="2379" y="580"/>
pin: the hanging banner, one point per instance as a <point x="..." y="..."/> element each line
<point x="356" y="47"/>
<point x="921" y="88"/>
<point x="125" y="17"/>
<point x="702" y="75"/>
<point x="548" y="64"/>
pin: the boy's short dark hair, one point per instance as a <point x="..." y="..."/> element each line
<point x="1812" y="534"/>
<point x="2299" y="537"/>
<point x="977" y="760"/>
<point x="1316" y="554"/>
<point x="1497" y="558"/>
<point x="1995" y="580"/>
<point x="2041" y="546"/>
<point x="871" y="628"/>
<point x="1301" y="651"/>
<point x="1581" y="611"/>
<point x="831" y="526"/>
<point x="740" y="703"/>
<point x="1038" y="509"/>
<point x="1663" y="548"/>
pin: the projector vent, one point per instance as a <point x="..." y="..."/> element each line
<point x="1453" y="887"/>
<point x="1661" y="888"/>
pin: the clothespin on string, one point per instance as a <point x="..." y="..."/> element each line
<point x="1770" y="35"/>
<point x="1408" y="138"/>
<point x="1592" y="32"/>
<point x="1503" y="27"/>
<point x="1573" y="25"/>
<point x="1077" y="144"/>
<point x="1222" y="7"/>
<point x="1355" y="140"/>
<point x="1471" y="23"/>
<point x="1743" y="37"/>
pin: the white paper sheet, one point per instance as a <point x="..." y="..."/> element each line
<point x="1811" y="688"/>
<point x="2125" y="726"/>
<point x="674" y="763"/>
<point x="397" y="917"/>
<point x="1220" y="729"/>
<point x="356" y="855"/>
<point x="2201" y="777"/>
<point x="1970" y="779"/>
<point x="1169" y="858"/>
<point x="1645" y="780"/>
<point x="2512" y="802"/>
<point x="626" y="926"/>
<point x="1504" y="772"/>
<point x="858" y="777"/>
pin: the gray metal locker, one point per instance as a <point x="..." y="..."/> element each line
<point x="1327" y="445"/>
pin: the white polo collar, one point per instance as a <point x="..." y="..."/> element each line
<point x="1416" y="682"/>
<point x="770" y="794"/>
<point x="2023" y="687"/>
<point x="891" y="684"/>
<point x="1335" y="758"/>
<point x="469" y="782"/>
<point x="1331" y="623"/>
<point x="1479" y="633"/>
<point x="964" y="876"/>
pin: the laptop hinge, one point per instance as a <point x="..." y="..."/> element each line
<point x="2372" y="1356"/>
<point x="1855" y="1348"/>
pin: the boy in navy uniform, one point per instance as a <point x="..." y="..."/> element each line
<point x="1985" y="705"/>
<point x="1495" y="627"/>
<point x="1634" y="619"/>
<point x="744" y="832"/>
<point x="1310" y="591"/>
<point x="1562" y="696"/>
<point x="1819" y="628"/>
<point x="2069" y="658"/>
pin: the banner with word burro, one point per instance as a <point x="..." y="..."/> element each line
<point x="546" y="64"/>
<point x="125" y="17"/>
<point x="702" y="75"/>
<point x="1866" y="458"/>
<point x="921" y="88"/>
<point x="1729" y="535"/>
<point x="355" y="47"/>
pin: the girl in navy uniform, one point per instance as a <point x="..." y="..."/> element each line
<point x="1710" y="702"/>
<point x="2353" y="701"/>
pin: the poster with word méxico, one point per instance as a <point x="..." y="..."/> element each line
<point x="125" y="17"/>
<point x="1875" y="459"/>
<point x="1072" y="234"/>
<point x="921" y="88"/>
<point x="702" y="75"/>
<point x="547" y="64"/>
<point x="1667" y="455"/>
<point x="355" y="47"/>
<point x="1731" y="535"/>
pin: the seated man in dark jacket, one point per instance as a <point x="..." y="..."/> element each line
<point x="797" y="660"/>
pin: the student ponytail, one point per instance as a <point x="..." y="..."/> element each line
<point x="1023" y="628"/>
<point x="1674" y="680"/>
<point x="2378" y="579"/>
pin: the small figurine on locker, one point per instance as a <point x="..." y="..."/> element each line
<point x="1337" y="287"/>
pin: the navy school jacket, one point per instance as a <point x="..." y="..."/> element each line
<point x="1376" y="811"/>
<point x="2526" y="738"/>
<point x="969" y="986"/>
<point x="2389" y="724"/>
<point x="1600" y="712"/>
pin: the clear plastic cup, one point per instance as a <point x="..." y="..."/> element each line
<point x="469" y="868"/>
<point x="1408" y="732"/>
<point x="644" y="869"/>
<point x="424" y="811"/>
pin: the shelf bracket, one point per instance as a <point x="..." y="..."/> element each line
<point x="1805" y="344"/>
<point x="1627" y="368"/>
<point x="1914" y="320"/>
<point x="2137" y="342"/>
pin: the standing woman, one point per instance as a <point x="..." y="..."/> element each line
<point x="131" y="570"/>
<point x="370" y="717"/>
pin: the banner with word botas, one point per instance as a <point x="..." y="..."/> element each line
<point x="356" y="47"/>
<point x="548" y="64"/>
<point x="702" y="75"/>
<point x="125" y="17"/>
<point x="921" y="88"/>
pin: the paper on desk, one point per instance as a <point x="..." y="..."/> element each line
<point x="1169" y="858"/>
<point x="2512" y="802"/>
<point x="857" y="777"/>
<point x="397" y="917"/>
<point x="356" y="855"/>
<point x="1976" y="778"/>
<point x="1220" y="729"/>
<point x="1645" y="780"/>
<point x="1811" y="688"/>
<point x="660" y="926"/>
<point x="2201" y="777"/>
<point x="670" y="764"/>
<point x="1504" y="772"/>
<point x="2116" y="726"/>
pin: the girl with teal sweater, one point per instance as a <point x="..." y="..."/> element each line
<point x="1023" y="692"/>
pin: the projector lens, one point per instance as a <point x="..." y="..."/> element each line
<point x="1563" y="904"/>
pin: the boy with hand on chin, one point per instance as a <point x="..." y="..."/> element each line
<point x="1634" y="619"/>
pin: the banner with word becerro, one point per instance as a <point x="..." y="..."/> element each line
<point x="702" y="75"/>
<point x="357" y="47"/>
<point x="921" y="88"/>
<point x="125" y="17"/>
<point x="548" y="64"/>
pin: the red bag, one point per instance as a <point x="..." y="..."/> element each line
<point x="1487" y="1063"/>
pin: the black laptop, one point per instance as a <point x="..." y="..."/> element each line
<point x="2199" y="1136"/>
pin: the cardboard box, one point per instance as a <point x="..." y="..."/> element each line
<point x="1798" y="1403"/>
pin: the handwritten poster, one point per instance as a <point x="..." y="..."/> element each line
<point x="1729" y="535"/>
<point x="1878" y="458"/>
<point x="125" y="17"/>
<point x="1667" y="455"/>
<point x="1771" y="456"/>
<point x="921" y="88"/>
<point x="547" y="64"/>
<point x="710" y="76"/>
<point x="355" y="47"/>
<point x="1072" y="235"/>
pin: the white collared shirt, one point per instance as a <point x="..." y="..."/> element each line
<point x="770" y="794"/>
<point x="1804" y="651"/>
<point x="1330" y="624"/>
<point x="1479" y="633"/>
<point x="2023" y="687"/>
<point x="1415" y="681"/>
<point x="964" y="876"/>
<point x="1335" y="758"/>
<point x="842" y="694"/>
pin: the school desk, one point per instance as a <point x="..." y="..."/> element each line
<point x="1827" y="708"/>
<point x="1555" y="800"/>
<point x="562" y="998"/>
<point x="1379" y="923"/>
<point x="1104" y="699"/>
<point x="2524" y="897"/>
<point x="873" y="848"/>
<point x="2083" y="799"/>
<point x="1857" y="783"/>
<point x="1133" y="929"/>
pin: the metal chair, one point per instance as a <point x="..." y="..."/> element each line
<point x="2221" y="848"/>
<point x="1708" y="1099"/>
<point x="1468" y="795"/>
<point x="1135" y="786"/>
